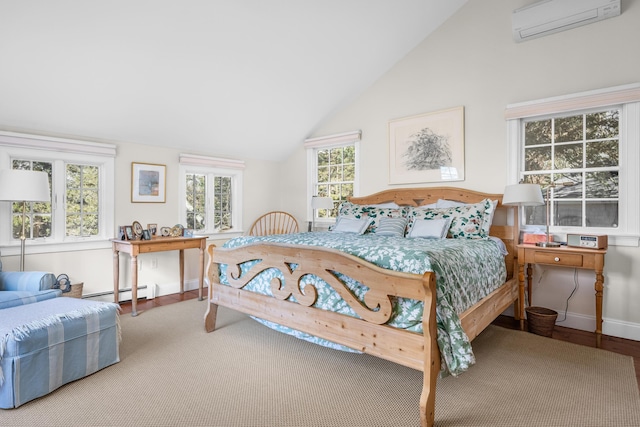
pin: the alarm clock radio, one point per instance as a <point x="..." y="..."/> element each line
<point x="587" y="241"/>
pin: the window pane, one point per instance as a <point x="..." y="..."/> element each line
<point x="602" y="125"/>
<point x="323" y="174"/>
<point x="568" y="214"/>
<point x="335" y="173"/>
<point x="602" y="185"/>
<point x="323" y="157"/>
<point x="335" y="156"/>
<point x="602" y="154"/>
<point x="602" y="214"/>
<point x="536" y="133"/>
<point x="568" y="129"/>
<point x="568" y="156"/>
<point x="83" y="200"/>
<point x="568" y="186"/>
<point x="350" y="154"/>
<point x="536" y="159"/>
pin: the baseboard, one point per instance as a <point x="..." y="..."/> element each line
<point x="611" y="327"/>
<point x="174" y="288"/>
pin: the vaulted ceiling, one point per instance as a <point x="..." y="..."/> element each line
<point x="230" y="78"/>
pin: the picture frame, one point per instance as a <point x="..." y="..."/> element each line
<point x="137" y="228"/>
<point x="427" y="148"/>
<point x="128" y="232"/>
<point x="153" y="229"/>
<point x="146" y="235"/>
<point x="148" y="183"/>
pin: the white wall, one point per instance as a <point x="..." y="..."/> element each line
<point x="472" y="61"/>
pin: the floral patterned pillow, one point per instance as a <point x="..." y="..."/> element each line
<point x="466" y="221"/>
<point x="489" y="210"/>
<point x="352" y="210"/>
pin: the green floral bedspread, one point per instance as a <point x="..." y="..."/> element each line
<point x="466" y="271"/>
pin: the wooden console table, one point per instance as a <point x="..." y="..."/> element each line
<point x="574" y="257"/>
<point x="158" y="244"/>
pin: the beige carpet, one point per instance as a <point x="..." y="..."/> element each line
<point x="172" y="373"/>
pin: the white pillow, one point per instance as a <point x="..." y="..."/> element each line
<point x="351" y="225"/>
<point x="430" y="228"/>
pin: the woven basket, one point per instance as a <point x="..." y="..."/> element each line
<point x="541" y="321"/>
<point x="75" y="292"/>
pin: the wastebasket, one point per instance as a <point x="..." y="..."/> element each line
<point x="541" y="320"/>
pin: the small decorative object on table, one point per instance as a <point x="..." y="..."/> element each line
<point x="137" y="229"/>
<point x="146" y="235"/>
<point x="153" y="229"/>
<point x="165" y="231"/>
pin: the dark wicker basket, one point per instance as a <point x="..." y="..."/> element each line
<point x="541" y="321"/>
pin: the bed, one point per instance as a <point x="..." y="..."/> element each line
<point x="293" y="303"/>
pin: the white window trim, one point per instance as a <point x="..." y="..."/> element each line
<point x="190" y="163"/>
<point x="324" y="142"/>
<point x="628" y="98"/>
<point x="52" y="149"/>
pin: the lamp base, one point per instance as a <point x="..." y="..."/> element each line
<point x="548" y="244"/>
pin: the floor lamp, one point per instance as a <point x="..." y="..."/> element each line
<point x="318" y="202"/>
<point x="24" y="186"/>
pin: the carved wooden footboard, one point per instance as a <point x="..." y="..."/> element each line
<point x="368" y="334"/>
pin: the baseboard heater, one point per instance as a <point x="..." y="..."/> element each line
<point x="101" y="294"/>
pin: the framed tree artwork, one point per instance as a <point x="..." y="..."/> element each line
<point x="427" y="148"/>
<point x="148" y="183"/>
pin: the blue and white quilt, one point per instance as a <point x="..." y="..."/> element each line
<point x="467" y="270"/>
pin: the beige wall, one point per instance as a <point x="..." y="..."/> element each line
<point x="472" y="61"/>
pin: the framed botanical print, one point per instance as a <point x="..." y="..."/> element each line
<point x="427" y="148"/>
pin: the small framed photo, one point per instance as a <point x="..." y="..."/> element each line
<point x="148" y="183"/>
<point x="187" y="232"/>
<point x="121" y="233"/>
<point x="128" y="232"/>
<point x="146" y="235"/>
<point x="153" y="229"/>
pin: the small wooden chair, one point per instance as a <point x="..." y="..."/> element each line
<point x="276" y="222"/>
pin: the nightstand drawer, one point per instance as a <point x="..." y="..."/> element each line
<point x="559" y="258"/>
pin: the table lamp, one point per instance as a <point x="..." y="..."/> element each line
<point x="523" y="195"/>
<point x="318" y="202"/>
<point x="17" y="185"/>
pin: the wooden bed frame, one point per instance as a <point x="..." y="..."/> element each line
<point x="368" y="334"/>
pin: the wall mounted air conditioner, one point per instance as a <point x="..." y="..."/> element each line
<point x="551" y="16"/>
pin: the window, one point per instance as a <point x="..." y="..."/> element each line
<point x="333" y="169"/>
<point x="81" y="179"/>
<point x="211" y="190"/>
<point x="583" y="151"/>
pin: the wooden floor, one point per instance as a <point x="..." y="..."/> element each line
<point x="617" y="345"/>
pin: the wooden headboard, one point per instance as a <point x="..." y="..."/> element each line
<point x="508" y="233"/>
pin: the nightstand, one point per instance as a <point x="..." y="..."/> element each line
<point x="563" y="256"/>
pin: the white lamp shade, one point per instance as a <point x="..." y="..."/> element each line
<point x="321" y="202"/>
<point x="523" y="195"/>
<point x="24" y="186"/>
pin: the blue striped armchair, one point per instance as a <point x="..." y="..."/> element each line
<point x="26" y="287"/>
